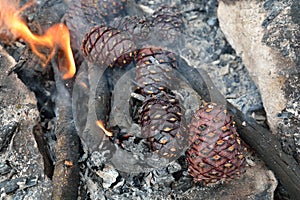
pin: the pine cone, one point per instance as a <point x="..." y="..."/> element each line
<point x="167" y="26"/>
<point x="108" y="47"/>
<point x="138" y="28"/>
<point x="108" y="9"/>
<point x="163" y="124"/>
<point x="154" y="70"/>
<point x="78" y="22"/>
<point x="215" y="152"/>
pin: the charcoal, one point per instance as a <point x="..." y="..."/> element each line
<point x="173" y="167"/>
<point x="43" y="86"/>
<point x="10" y="186"/>
<point x="5" y="168"/>
<point x="6" y="133"/>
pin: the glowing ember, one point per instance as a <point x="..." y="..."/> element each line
<point x="56" y="37"/>
<point x="101" y="125"/>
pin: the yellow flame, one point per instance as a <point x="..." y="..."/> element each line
<point x="57" y="36"/>
<point x="101" y="125"/>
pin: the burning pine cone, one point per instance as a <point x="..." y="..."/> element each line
<point x="108" y="47"/>
<point x="163" y="124"/>
<point x="154" y="70"/>
<point x="215" y="152"/>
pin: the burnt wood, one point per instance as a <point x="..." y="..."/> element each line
<point x="66" y="171"/>
<point x="38" y="80"/>
<point x="46" y="83"/>
<point x="42" y="146"/>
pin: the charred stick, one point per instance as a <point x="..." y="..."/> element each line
<point x="66" y="170"/>
<point x="259" y="138"/>
<point x="40" y="81"/>
<point x="42" y="146"/>
<point x="268" y="147"/>
<point x="196" y="80"/>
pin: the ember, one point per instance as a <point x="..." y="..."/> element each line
<point x="12" y="26"/>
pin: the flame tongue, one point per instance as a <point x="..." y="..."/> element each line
<point x="101" y="125"/>
<point x="57" y="36"/>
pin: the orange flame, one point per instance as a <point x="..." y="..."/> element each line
<point x="57" y="36"/>
<point x="101" y="125"/>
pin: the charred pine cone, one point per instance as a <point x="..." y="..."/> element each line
<point x="138" y="28"/>
<point x="163" y="125"/>
<point x="108" y="47"/>
<point x="154" y="70"/>
<point x="108" y="9"/>
<point x="78" y="23"/>
<point x="215" y="152"/>
<point x="167" y="25"/>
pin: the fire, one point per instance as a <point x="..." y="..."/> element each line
<point x="56" y="37"/>
<point x="101" y="125"/>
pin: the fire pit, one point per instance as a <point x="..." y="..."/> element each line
<point x="125" y="110"/>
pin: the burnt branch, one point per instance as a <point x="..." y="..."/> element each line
<point x="66" y="170"/>
<point x="51" y="93"/>
<point x="42" y="146"/>
<point x="268" y="147"/>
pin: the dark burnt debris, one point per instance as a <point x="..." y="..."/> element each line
<point x="166" y="141"/>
